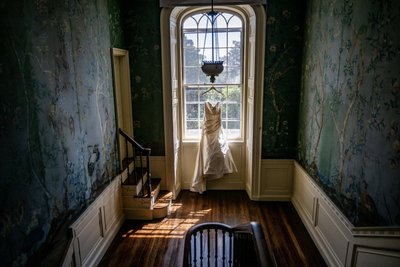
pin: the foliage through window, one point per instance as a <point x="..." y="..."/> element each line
<point x="196" y="47"/>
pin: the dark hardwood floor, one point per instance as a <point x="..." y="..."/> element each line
<point x="160" y="242"/>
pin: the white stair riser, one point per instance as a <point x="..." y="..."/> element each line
<point x="138" y="214"/>
<point x="133" y="190"/>
<point x="137" y="202"/>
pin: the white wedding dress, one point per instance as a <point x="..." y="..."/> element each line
<point x="214" y="158"/>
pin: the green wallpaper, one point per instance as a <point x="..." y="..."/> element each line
<point x="349" y="126"/>
<point x="57" y="125"/>
<point x="283" y="60"/>
<point x="142" y="35"/>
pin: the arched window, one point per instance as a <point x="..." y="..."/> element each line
<point x="196" y="46"/>
<point x="240" y="39"/>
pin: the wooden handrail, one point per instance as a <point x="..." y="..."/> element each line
<point x="135" y="143"/>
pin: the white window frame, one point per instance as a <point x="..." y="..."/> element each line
<point x="194" y="138"/>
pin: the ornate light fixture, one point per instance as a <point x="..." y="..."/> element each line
<point x="214" y="67"/>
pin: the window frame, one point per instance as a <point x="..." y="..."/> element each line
<point x="242" y="79"/>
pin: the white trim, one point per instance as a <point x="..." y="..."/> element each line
<point x="258" y="93"/>
<point x="167" y="99"/>
<point x="122" y="98"/>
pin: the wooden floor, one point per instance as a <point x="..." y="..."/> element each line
<point x="160" y="243"/>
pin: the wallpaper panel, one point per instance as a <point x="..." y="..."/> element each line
<point x="57" y="134"/>
<point x="142" y="37"/>
<point x="349" y="135"/>
<point x="285" y="20"/>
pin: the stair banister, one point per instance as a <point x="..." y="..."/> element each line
<point x="142" y="151"/>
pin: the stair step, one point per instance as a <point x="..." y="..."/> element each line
<point x="155" y="188"/>
<point x="130" y="201"/>
<point x="135" y="176"/>
<point x="162" y="207"/>
<point x="126" y="162"/>
<point x="132" y="186"/>
<point x="145" y="208"/>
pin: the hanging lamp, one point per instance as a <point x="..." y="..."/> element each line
<point x="214" y="67"/>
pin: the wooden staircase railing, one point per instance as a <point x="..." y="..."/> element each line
<point x="138" y="153"/>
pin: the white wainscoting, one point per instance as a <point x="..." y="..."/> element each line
<point x="276" y="180"/>
<point x="233" y="181"/>
<point x="340" y="243"/>
<point x="96" y="227"/>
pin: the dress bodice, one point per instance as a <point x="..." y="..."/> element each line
<point x="212" y="117"/>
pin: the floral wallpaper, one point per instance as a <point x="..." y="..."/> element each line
<point x="142" y="37"/>
<point x="57" y="125"/>
<point x="349" y="124"/>
<point x="283" y="60"/>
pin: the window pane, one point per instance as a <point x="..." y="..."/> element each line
<point x="220" y="21"/>
<point x="204" y="22"/>
<point x="221" y="39"/>
<point x="192" y="111"/>
<point x="220" y="54"/>
<point x="233" y="125"/>
<point x="222" y="77"/>
<point x="223" y="124"/>
<point x="203" y="79"/>
<point x="192" y="124"/>
<point x="234" y="38"/>
<point x="223" y="111"/>
<point x="234" y="93"/>
<point x="235" y="55"/>
<point x="233" y="111"/>
<point x="190" y="23"/>
<point x="190" y="40"/>
<point x="191" y="75"/>
<point x="235" y="22"/>
<point x="233" y="75"/>
<point x="191" y="56"/>
<point x="192" y="95"/>
<point x="197" y="46"/>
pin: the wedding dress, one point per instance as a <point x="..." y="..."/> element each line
<point x="214" y="158"/>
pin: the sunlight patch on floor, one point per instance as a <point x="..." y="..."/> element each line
<point x="168" y="227"/>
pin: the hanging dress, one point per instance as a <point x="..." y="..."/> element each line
<point x="214" y="158"/>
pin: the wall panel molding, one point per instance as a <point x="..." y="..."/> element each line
<point x="276" y="180"/>
<point x="94" y="230"/>
<point x="339" y="242"/>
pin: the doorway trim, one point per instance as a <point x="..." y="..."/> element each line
<point x="122" y="98"/>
